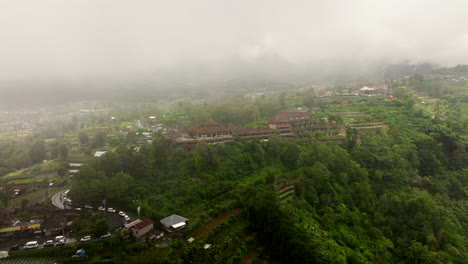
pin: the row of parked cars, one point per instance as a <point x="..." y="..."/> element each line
<point x="124" y="215"/>
<point x="88" y="238"/>
<point x="59" y="241"/>
<point x="100" y="208"/>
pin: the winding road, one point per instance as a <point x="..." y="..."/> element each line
<point x="57" y="199"/>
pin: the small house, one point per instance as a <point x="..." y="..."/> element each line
<point x="138" y="230"/>
<point x="174" y="222"/>
<point x="143" y="228"/>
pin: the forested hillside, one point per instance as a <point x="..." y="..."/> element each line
<point x="385" y="196"/>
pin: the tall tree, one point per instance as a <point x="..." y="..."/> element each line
<point x="83" y="137"/>
<point x="38" y="151"/>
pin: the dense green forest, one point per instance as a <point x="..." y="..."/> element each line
<point x="393" y="195"/>
<point x="388" y="196"/>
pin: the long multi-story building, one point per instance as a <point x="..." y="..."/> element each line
<point x="288" y="125"/>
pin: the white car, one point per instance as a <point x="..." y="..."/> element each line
<point x="126" y="218"/>
<point x="111" y="210"/>
<point x="61" y="242"/>
<point x="85" y="239"/>
<point x="100" y="208"/>
<point x="88" y="207"/>
<point x="31" y="245"/>
<point x="105" y="236"/>
<point x="121" y="213"/>
<point x="48" y="243"/>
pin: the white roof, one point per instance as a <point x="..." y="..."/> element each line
<point x="173" y="220"/>
<point x="99" y="153"/>
<point x="133" y="223"/>
<point x="179" y="225"/>
<point x="365" y="88"/>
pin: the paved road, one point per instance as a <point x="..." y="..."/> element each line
<point x="57" y="199"/>
<point x="69" y="241"/>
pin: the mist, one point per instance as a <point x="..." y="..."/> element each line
<point x="126" y="40"/>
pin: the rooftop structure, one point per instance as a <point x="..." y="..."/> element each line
<point x="99" y="153"/>
<point x="174" y="222"/>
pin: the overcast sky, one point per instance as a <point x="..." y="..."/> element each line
<point x="78" y="38"/>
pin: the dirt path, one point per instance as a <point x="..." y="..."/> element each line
<point x="249" y="258"/>
<point x="284" y="190"/>
<point x="286" y="196"/>
<point x="241" y="240"/>
<point x="207" y="227"/>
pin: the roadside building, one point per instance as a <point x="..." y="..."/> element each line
<point x="138" y="230"/>
<point x="289" y="125"/>
<point x="142" y="229"/>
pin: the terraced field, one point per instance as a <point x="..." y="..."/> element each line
<point x="361" y="120"/>
<point x="41" y="260"/>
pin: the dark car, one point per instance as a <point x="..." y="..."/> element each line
<point x="15" y="247"/>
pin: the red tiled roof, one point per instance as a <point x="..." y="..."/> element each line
<point x="232" y="127"/>
<point x="279" y="119"/>
<point x="207" y="127"/>
<point x="251" y="130"/>
<point x="173" y="133"/>
<point x="206" y="130"/>
<point x="144" y="224"/>
<point x="283" y="126"/>
<point x="210" y="122"/>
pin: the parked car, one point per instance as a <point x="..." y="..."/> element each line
<point x="105" y="236"/>
<point x="78" y="208"/>
<point x="121" y="213"/>
<point x="88" y="207"/>
<point x="127" y="218"/>
<point x="15" y="247"/>
<point x="61" y="242"/>
<point x="85" y="239"/>
<point x="48" y="243"/>
<point x="100" y="208"/>
<point x="31" y="245"/>
<point x="111" y="210"/>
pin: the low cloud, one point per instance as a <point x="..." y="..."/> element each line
<point x="75" y="39"/>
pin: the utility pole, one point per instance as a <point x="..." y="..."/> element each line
<point x="139" y="205"/>
<point x="50" y="184"/>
